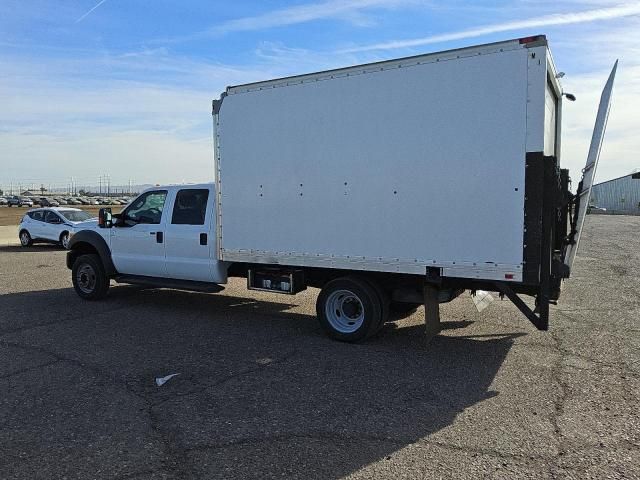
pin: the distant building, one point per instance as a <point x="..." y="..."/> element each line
<point x="619" y="196"/>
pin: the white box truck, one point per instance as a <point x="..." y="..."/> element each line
<point x="386" y="185"/>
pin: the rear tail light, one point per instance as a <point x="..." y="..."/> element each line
<point x="532" y="39"/>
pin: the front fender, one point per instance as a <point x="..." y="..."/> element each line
<point x="86" y="242"/>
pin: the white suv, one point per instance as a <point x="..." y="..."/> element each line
<point x="51" y="225"/>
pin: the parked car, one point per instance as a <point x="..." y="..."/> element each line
<point x="51" y="225"/>
<point x="20" y="202"/>
<point x="595" y="209"/>
<point x="3" y="201"/>
<point x="48" y="202"/>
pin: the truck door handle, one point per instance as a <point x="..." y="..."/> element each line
<point x="159" y="237"/>
<point x="203" y="239"/>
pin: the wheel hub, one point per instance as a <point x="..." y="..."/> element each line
<point x="345" y="311"/>
<point x="86" y="278"/>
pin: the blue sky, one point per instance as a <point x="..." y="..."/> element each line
<point x="90" y="87"/>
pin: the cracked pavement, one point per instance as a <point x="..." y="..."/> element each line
<point x="263" y="394"/>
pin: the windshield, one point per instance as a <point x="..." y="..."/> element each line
<point x="75" y="215"/>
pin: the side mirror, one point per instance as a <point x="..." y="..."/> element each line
<point x="105" y="218"/>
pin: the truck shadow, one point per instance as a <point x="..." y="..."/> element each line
<point x="262" y="393"/>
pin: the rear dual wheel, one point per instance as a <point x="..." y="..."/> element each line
<point x="351" y="309"/>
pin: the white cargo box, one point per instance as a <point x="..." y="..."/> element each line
<point x="393" y="166"/>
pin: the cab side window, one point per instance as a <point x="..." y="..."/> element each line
<point x="51" y="217"/>
<point x="190" y="207"/>
<point x="146" y="209"/>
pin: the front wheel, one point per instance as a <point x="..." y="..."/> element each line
<point x="89" y="278"/>
<point x="349" y="309"/>
<point x="25" y="239"/>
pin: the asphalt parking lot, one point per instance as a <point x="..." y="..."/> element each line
<point x="263" y="394"/>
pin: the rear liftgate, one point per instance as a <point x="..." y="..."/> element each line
<point x="554" y="219"/>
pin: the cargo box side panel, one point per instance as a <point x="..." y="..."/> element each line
<point x="392" y="171"/>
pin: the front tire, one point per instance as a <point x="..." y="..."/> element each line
<point x="64" y="240"/>
<point x="25" y="239"/>
<point x="349" y="309"/>
<point x="89" y="278"/>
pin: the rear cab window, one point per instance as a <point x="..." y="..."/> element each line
<point x="190" y="207"/>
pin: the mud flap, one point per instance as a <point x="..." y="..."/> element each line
<point x="581" y="199"/>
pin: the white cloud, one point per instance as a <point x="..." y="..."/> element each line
<point x="606" y="13"/>
<point x="346" y="10"/>
<point x="146" y="117"/>
<point x="146" y="114"/>
<point x="140" y="156"/>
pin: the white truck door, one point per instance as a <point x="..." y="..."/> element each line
<point x="189" y="239"/>
<point x="589" y="171"/>
<point x="137" y="239"/>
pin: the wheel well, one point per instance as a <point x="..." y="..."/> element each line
<point x="80" y="248"/>
<point x="23" y="230"/>
<point x="63" y="233"/>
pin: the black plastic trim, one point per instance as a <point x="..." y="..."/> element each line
<point x="94" y="240"/>
<point x="533" y="198"/>
<point x="176" y="284"/>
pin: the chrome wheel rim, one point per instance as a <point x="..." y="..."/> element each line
<point x="86" y="278"/>
<point x="65" y="240"/>
<point x="344" y="311"/>
<point x="24" y="238"/>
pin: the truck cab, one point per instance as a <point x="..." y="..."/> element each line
<point x="167" y="232"/>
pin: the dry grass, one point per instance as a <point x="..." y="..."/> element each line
<point x="12" y="215"/>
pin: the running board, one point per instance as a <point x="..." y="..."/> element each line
<point x="159" y="282"/>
